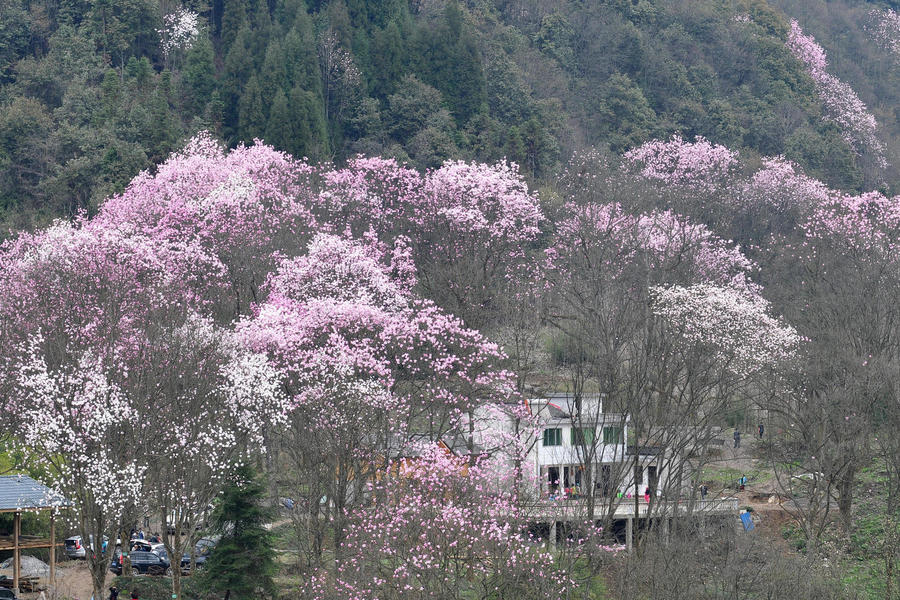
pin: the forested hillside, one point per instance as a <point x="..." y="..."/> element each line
<point x="456" y="299"/>
<point x="94" y="92"/>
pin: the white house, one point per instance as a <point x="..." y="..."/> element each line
<point x="576" y="448"/>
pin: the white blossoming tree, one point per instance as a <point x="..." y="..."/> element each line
<point x="180" y="30"/>
<point x="209" y="401"/>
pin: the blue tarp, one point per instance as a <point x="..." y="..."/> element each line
<point x="747" y="521"/>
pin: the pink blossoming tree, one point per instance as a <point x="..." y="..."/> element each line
<point x="840" y="103"/>
<point x="442" y="527"/>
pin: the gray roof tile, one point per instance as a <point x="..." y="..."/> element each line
<point x="21" y="492"/>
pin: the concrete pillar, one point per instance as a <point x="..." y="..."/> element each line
<point x="629" y="534"/>
<point x="17" y="531"/>
<point x="52" y="550"/>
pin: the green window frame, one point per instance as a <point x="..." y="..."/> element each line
<point x="612" y="435"/>
<point x="553" y="437"/>
<point x="582" y="436"/>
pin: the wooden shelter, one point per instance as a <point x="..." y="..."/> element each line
<point x="18" y="494"/>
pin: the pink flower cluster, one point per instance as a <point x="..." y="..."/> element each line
<point x="193" y="300"/>
<point x="698" y="164"/>
<point x="668" y="246"/>
<point x="781" y="186"/>
<point x="442" y="524"/>
<point x="868" y="225"/>
<point x="884" y="26"/>
<point x="840" y="103"/>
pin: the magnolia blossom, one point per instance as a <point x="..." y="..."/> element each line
<point x="70" y="418"/>
<point x="180" y="30"/>
<point x="668" y="245"/>
<point x="733" y="323"/>
<point x="867" y="225"/>
<point x="783" y="187"/>
<point x="840" y="103"/>
<point x="698" y="164"/>
<point x="336" y="313"/>
<point x="884" y="26"/>
<point x="442" y="523"/>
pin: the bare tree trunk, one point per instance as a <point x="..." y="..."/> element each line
<point x="176" y="564"/>
<point x="845" y="498"/>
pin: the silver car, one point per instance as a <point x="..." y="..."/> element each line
<point x="75" y="547"/>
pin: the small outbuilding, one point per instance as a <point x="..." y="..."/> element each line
<point x="18" y="494"/>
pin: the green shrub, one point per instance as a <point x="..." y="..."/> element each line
<point x="151" y="587"/>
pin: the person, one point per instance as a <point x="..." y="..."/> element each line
<point x="141" y="534"/>
<point x="113" y="593"/>
<point x="154" y="539"/>
<point x="133" y="535"/>
<point x="761" y="430"/>
<point x="737" y="438"/>
<point x="743" y="482"/>
<point x="703" y="491"/>
<point x="647" y="495"/>
<point x="134" y="595"/>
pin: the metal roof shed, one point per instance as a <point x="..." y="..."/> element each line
<point x="18" y="494"/>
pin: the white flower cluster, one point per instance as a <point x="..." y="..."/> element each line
<point x="180" y="30"/>
<point x="78" y="414"/>
<point x="734" y="324"/>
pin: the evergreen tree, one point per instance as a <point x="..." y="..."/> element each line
<point x="300" y="56"/>
<point x="242" y="565"/>
<point x="234" y="18"/>
<point x="388" y="55"/>
<point x="251" y="112"/>
<point x="287" y="12"/>
<point x="451" y="62"/>
<point x="280" y="127"/>
<point x="238" y="68"/>
<point x="273" y="76"/>
<point x="199" y="75"/>
<point x="310" y="132"/>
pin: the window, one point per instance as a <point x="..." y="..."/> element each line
<point x="612" y="435"/>
<point x="553" y="437"/>
<point x="582" y="436"/>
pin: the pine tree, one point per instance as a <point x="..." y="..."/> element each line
<point x="280" y="128"/>
<point x="251" y="113"/>
<point x="199" y="75"/>
<point x="388" y="55"/>
<point x="234" y="18"/>
<point x="242" y="565"/>
<point x="238" y="68"/>
<point x="300" y="56"/>
<point x="309" y="128"/>
<point x="273" y="76"/>
<point x="449" y="60"/>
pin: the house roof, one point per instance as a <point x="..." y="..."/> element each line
<point x="21" y="492"/>
<point x="561" y="407"/>
<point x="411" y="446"/>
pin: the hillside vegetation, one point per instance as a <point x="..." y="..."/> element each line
<point x="93" y="92"/>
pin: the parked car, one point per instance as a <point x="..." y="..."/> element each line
<point x="143" y="563"/>
<point x="202" y="549"/>
<point x="75" y="547"/>
<point x="7" y="594"/>
<point x="145" y="546"/>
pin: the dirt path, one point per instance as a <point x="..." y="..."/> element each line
<point x="73" y="582"/>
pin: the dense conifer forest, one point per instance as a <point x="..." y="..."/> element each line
<point x="91" y="95"/>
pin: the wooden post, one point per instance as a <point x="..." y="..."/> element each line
<point x="629" y="534"/>
<point x="52" y="550"/>
<point x="17" y="530"/>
